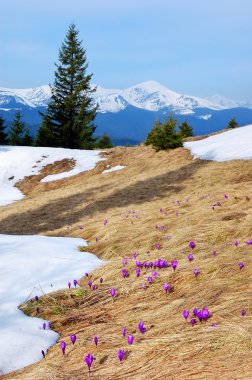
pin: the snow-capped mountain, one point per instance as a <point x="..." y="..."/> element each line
<point x="150" y="96"/>
<point x="127" y="115"/>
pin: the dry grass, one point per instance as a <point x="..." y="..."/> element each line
<point x="171" y="348"/>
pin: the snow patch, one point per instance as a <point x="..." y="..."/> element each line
<point x="30" y="266"/>
<point x="231" y="145"/>
<point x="17" y="162"/>
<point x="113" y="169"/>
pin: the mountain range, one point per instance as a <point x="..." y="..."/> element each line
<point x="127" y="115"/>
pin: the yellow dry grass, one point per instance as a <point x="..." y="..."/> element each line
<point x="171" y="348"/>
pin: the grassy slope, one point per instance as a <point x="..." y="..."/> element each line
<point x="171" y="348"/>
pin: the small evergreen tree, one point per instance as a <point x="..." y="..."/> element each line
<point x="70" y="114"/>
<point x="232" y="124"/>
<point x="3" y="135"/>
<point x="17" y="130"/>
<point x="104" y="142"/>
<point x="185" y="129"/>
<point x="164" y="136"/>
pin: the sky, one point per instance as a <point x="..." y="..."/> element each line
<point x="196" y="47"/>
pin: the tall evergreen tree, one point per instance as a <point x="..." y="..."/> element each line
<point x="232" y="124"/>
<point x="185" y="129"/>
<point x="69" y="119"/>
<point x="27" y="139"/>
<point x="17" y="130"/>
<point x="3" y="135"/>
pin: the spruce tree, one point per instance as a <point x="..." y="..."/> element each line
<point x="185" y="129"/>
<point x="104" y="142"/>
<point x="3" y="135"/>
<point x="68" y="121"/>
<point x="232" y="124"/>
<point x="17" y="130"/>
<point x="27" y="138"/>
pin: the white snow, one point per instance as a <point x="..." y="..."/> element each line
<point x="25" y="161"/>
<point x="231" y="145"/>
<point x="149" y="95"/>
<point x="30" y="266"/>
<point x="113" y="169"/>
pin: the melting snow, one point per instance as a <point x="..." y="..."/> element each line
<point x="17" y="162"/>
<point x="30" y="266"/>
<point x="113" y="169"/>
<point x="231" y="145"/>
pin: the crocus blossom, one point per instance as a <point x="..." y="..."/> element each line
<point x="123" y="331"/>
<point x="249" y="242"/>
<point x="73" y="338"/>
<point x="186" y="314"/>
<point x="174" y="264"/>
<point x="158" y="246"/>
<point x="89" y="360"/>
<point x="243" y="312"/>
<point x="101" y="280"/>
<point x="142" y="329"/>
<point x="124" y="273"/>
<point x="138" y="271"/>
<point x="195" y="272"/>
<point x="190" y="257"/>
<point x="193" y="321"/>
<point x="44" y="326"/>
<point x="43" y="353"/>
<point x="63" y="347"/>
<point x="75" y="282"/>
<point x="121" y="354"/>
<point x="195" y="312"/>
<point x="192" y="244"/>
<point x="89" y="283"/>
<point x="166" y="287"/>
<point x="112" y="292"/>
<point x="69" y="285"/>
<point x="130" y="339"/>
<point x="149" y="279"/>
<point x="96" y="340"/>
<point x="236" y="243"/>
<point x="241" y="265"/>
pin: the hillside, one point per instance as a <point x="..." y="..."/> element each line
<point x="165" y="198"/>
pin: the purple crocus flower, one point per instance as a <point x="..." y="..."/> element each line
<point x="193" y="321"/>
<point x="190" y="257"/>
<point x="138" y="263"/>
<point x="138" y="271"/>
<point x="243" y="312"/>
<point x="96" y="239"/>
<point x="236" y="243"/>
<point x="186" y="314"/>
<point x="214" y="253"/>
<point x="199" y="315"/>
<point x="195" y="312"/>
<point x="161" y="210"/>
<point x="123" y="331"/>
<point x="96" y="340"/>
<point x="86" y="274"/>
<point x="36" y="298"/>
<point x="112" y="292"/>
<point x="192" y="244"/>
<point x="150" y="264"/>
<point x="101" y="280"/>
<point x="49" y="325"/>
<point x="124" y="273"/>
<point x="105" y="222"/>
<point x="225" y="196"/>
<point x="81" y="227"/>
<point x="89" y="360"/>
<point x="149" y="279"/>
<point x="249" y="242"/>
<point x="196" y="272"/>
<point x="204" y="313"/>
<point x="63" y="347"/>
<point x="44" y="326"/>
<point x="142" y="329"/>
<point x="166" y="287"/>
<point x="158" y="246"/>
<point x="69" y="285"/>
<point x="89" y="283"/>
<point x="121" y="354"/>
<point x="73" y="338"/>
<point x="43" y="353"/>
<point x="130" y="339"/>
<point x="75" y="282"/>
<point x="94" y="287"/>
<point x="155" y="274"/>
<point x="241" y="265"/>
<point x="174" y="264"/>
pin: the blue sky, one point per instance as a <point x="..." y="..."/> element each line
<point x="198" y="47"/>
